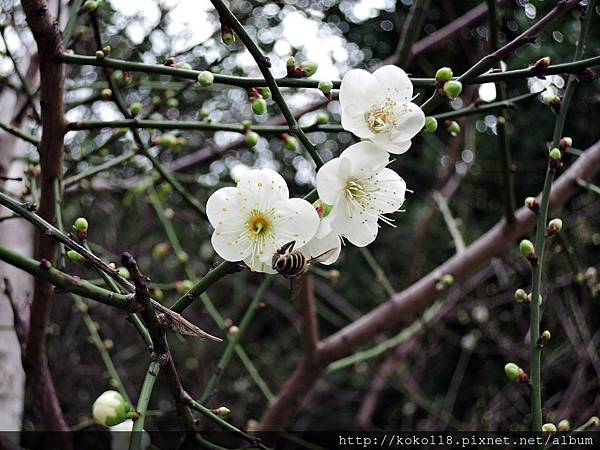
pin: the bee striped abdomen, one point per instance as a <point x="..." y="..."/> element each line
<point x="291" y="265"/>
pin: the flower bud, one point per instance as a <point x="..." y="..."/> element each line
<point x="81" y="225"/>
<point x="554" y="226"/>
<point x="110" y="409"/>
<point x="172" y="102"/>
<point x="223" y="412"/>
<point x="446" y="281"/>
<point x="251" y="138"/>
<point x="549" y="428"/>
<point x="520" y="296"/>
<point x="123" y="272"/>
<point x="290" y="63"/>
<point x="333" y="276"/>
<point x="564" y="425"/>
<point x="100" y="54"/>
<point x="526" y="248"/>
<point x="544" y="338"/>
<point x="107" y="49"/>
<point x="233" y="330"/>
<point x="431" y="124"/>
<point x="309" y="68"/>
<point x="290" y="142"/>
<point x="551" y="100"/>
<point x="594" y="421"/>
<point x="106" y="94"/>
<point x="182" y="256"/>
<point x="452" y="127"/>
<point x="444" y="74"/>
<point x="540" y="66"/>
<point x="452" y="89"/>
<point x="322" y="119"/>
<point x="167" y="141"/>
<point x="533" y="204"/>
<point x="183" y="65"/>
<point x="161" y="250"/>
<point x="206" y="78"/>
<point x="512" y="371"/>
<point x="259" y="106"/>
<point x="325" y="86"/>
<point x="74" y="257"/>
<point x="227" y="35"/>
<point x="265" y="92"/>
<point x="90" y="6"/>
<point x="555" y="154"/>
<point x="136" y="108"/>
<point x="184" y="285"/>
<point x="565" y="143"/>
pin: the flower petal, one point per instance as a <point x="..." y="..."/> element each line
<point x="353" y="120"/>
<point x="225" y="240"/>
<point x="391" y="194"/>
<point x="317" y="247"/>
<point x="331" y="179"/>
<point x="359" y="229"/>
<point x="411" y="120"/>
<point x="259" y="266"/>
<point x="365" y="157"/>
<point x="225" y="203"/>
<point x="384" y="142"/>
<point x="297" y="221"/>
<point x="394" y="83"/>
<point x="359" y="90"/>
<point x="264" y="187"/>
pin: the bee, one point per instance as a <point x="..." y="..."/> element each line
<point x="292" y="264"/>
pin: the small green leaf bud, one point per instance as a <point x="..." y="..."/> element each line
<point x="167" y="141"/>
<point x="172" y="102"/>
<point x="233" y="330"/>
<point x="290" y="63"/>
<point x="227" y="34"/>
<point x="259" y="106"/>
<point x="90" y="6"/>
<point x="290" y="142"/>
<point x="251" y="138"/>
<point x="544" y="338"/>
<point x="246" y="124"/>
<point x="106" y="94"/>
<point x="526" y="248"/>
<point x="136" y="108"/>
<point x="594" y="421"/>
<point x="551" y="100"/>
<point x="431" y="124"/>
<point x="161" y="250"/>
<point x="223" y="412"/>
<point x="309" y="68"/>
<point x="444" y="74"/>
<point x="452" y="127"/>
<point x="158" y="294"/>
<point x="565" y="143"/>
<point x="182" y="257"/>
<point x="206" y="78"/>
<point x="564" y="425"/>
<point x="81" y="225"/>
<point x="520" y="296"/>
<point x="322" y="119"/>
<point x="74" y="257"/>
<point x="549" y="428"/>
<point x="555" y="154"/>
<point x="184" y="285"/>
<point x="452" y="89"/>
<point x="123" y="272"/>
<point x="183" y="65"/>
<point x="117" y="75"/>
<point x="107" y="49"/>
<point x="554" y="226"/>
<point x="265" y="92"/>
<point x="512" y="371"/>
<point x="325" y="86"/>
<point x="540" y="66"/>
<point x="100" y="54"/>
<point x="533" y="204"/>
<point x="110" y="409"/>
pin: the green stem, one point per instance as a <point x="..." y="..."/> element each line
<point x="589" y="186"/>
<point x="135" y="441"/>
<point x="378" y="271"/>
<point x="112" y="162"/>
<point x="20" y="134"/>
<point x="73" y="14"/>
<point x="411" y="30"/>
<point x="235" y="339"/>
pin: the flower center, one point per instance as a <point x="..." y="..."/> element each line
<point x="381" y="118"/>
<point x="355" y="190"/>
<point x="259" y="224"/>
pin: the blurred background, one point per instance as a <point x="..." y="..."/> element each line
<point x="447" y="372"/>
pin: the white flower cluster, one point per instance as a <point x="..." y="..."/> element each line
<point x="356" y="189"/>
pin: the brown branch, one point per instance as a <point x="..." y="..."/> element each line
<point x="417" y="297"/>
<point x="52" y="76"/>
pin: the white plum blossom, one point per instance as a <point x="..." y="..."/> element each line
<point x="361" y="190"/>
<point x="325" y="238"/>
<point x="378" y="107"/>
<point x="120" y="436"/>
<point x="257" y="217"/>
<point x="110" y="409"/>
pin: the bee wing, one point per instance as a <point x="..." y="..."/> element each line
<point x="296" y="286"/>
<point x="322" y="257"/>
<point x="184" y="326"/>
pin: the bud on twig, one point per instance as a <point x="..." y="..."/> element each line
<point x="554" y="226"/>
<point x="565" y="143"/>
<point x="452" y="89"/>
<point x="223" y="412"/>
<point x="322" y="119"/>
<point x="564" y="425"/>
<point x="549" y="428"/>
<point x="443" y="75"/>
<point x="80" y="226"/>
<point x="106" y="94"/>
<point x="259" y="106"/>
<point x="74" y="257"/>
<point x="227" y="34"/>
<point x="431" y="124"/>
<point x="528" y="251"/>
<point x="555" y="158"/>
<point x="514" y="372"/>
<point x="89" y="6"/>
<point x="552" y="100"/>
<point x="540" y="66"/>
<point x="445" y="282"/>
<point x="206" y="78"/>
<point x="136" y="108"/>
<point x="290" y="142"/>
<point x="533" y="204"/>
<point x="544" y="338"/>
<point x="586" y="74"/>
<point x="233" y="330"/>
<point x="251" y="138"/>
<point x="326" y="86"/>
<point x="452" y="127"/>
<point x="111" y="409"/>
<point x="520" y="296"/>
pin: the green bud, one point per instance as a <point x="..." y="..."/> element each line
<point x="184" y="285"/>
<point x="526" y="248"/>
<point x="565" y="143"/>
<point x="545" y="337"/>
<point x="183" y="65"/>
<point x="533" y="204"/>
<point x="431" y="124"/>
<point x="520" y="296"/>
<point x="555" y="154"/>
<point x="444" y="74"/>
<point x="251" y="138"/>
<point x="452" y="127"/>
<point x="74" y="257"/>
<point x="325" y="86"/>
<point x="106" y="94"/>
<point x="110" y="409"/>
<point x="90" y="6"/>
<point x="80" y="224"/>
<point x="564" y="425"/>
<point x="549" y="428"/>
<point x="158" y="294"/>
<point x="206" y="78"/>
<point x="123" y="272"/>
<point x="290" y="63"/>
<point x="554" y="226"/>
<point x="136" y="108"/>
<point x="579" y="278"/>
<point x="100" y="54"/>
<point x="223" y="412"/>
<point x="228" y="38"/>
<point x="265" y="92"/>
<point x="322" y="119"/>
<point x="167" y="141"/>
<point x="291" y="143"/>
<point x="309" y="68"/>
<point x="452" y="89"/>
<point x="259" y="106"/>
<point x="172" y="102"/>
<point x="117" y="75"/>
<point x="182" y="257"/>
<point x="161" y="250"/>
<point x="246" y="124"/>
<point x="512" y="371"/>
